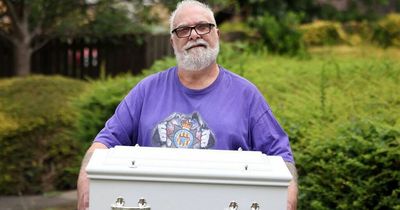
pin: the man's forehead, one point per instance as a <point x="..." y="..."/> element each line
<point x="191" y="15"/>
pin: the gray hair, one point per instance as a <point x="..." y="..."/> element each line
<point x="185" y="3"/>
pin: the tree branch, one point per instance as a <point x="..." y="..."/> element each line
<point x="40" y="44"/>
<point x="37" y="31"/>
<point x="48" y="17"/>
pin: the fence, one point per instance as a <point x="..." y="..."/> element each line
<point x="80" y="58"/>
<point x="6" y="59"/>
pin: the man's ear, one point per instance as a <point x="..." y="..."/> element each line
<point x="172" y="42"/>
<point x="218" y="33"/>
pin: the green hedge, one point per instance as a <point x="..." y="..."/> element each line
<point x="358" y="168"/>
<point x="384" y="32"/>
<point x="37" y="151"/>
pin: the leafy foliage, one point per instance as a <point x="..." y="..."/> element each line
<point x="387" y="31"/>
<point x="279" y="35"/>
<point x="29" y="25"/>
<point x="278" y="8"/>
<point x="358" y="168"/>
<point x="323" y="33"/>
<point x="237" y="30"/>
<point x="50" y="17"/>
<point x="357" y="10"/>
<point x="342" y="119"/>
<point x="37" y="151"/>
<point x="112" y="17"/>
<point x="384" y="32"/>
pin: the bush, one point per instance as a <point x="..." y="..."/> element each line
<point x="341" y="115"/>
<point x="236" y="31"/>
<point x="359" y="168"/>
<point x="358" y="32"/>
<point x="320" y="33"/>
<point x="384" y="32"/>
<point x="387" y="31"/>
<point x="280" y="35"/>
<point x="37" y="152"/>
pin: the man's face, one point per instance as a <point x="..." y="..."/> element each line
<point x="195" y="52"/>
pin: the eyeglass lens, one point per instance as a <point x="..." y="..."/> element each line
<point x="201" y="29"/>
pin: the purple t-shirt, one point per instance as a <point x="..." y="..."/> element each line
<point x="229" y="114"/>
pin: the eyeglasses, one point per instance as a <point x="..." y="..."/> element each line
<point x="186" y="31"/>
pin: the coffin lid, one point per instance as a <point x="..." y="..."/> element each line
<point x="188" y="165"/>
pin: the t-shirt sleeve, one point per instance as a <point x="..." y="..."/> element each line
<point x="121" y="127"/>
<point x="267" y="135"/>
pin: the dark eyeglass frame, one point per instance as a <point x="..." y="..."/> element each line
<point x="209" y="25"/>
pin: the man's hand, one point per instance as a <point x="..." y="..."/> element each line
<point x="83" y="180"/>
<point x="292" y="189"/>
<point x="292" y="196"/>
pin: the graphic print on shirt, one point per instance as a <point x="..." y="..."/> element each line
<point x="183" y="131"/>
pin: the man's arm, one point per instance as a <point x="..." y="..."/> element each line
<point x="292" y="189"/>
<point x="83" y="181"/>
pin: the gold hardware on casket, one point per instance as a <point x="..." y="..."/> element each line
<point x="120" y="205"/>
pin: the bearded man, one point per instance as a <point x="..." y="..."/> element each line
<point x="196" y="104"/>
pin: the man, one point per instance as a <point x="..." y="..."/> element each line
<point x="197" y="104"/>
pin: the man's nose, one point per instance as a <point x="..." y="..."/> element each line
<point x="193" y="34"/>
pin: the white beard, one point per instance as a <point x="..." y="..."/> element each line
<point x="197" y="58"/>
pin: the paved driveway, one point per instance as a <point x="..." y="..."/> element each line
<point x="59" y="201"/>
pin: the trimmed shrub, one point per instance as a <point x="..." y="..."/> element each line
<point x="37" y="151"/>
<point x="321" y="32"/>
<point x="358" y="32"/>
<point x="387" y="31"/>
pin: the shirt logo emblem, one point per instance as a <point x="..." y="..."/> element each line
<point x="183" y="131"/>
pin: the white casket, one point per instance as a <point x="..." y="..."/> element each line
<point x="186" y="179"/>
